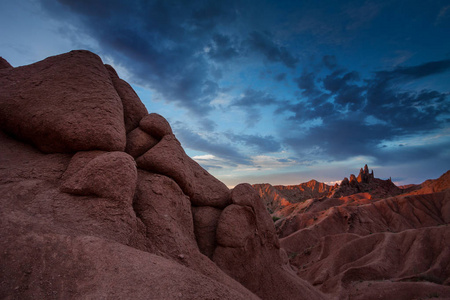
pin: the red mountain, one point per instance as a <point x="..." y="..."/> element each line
<point x="279" y="196"/>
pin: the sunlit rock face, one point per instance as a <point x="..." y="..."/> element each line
<point x="279" y="196"/>
<point x="100" y="200"/>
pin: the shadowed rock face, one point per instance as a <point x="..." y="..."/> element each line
<point x="99" y="199"/>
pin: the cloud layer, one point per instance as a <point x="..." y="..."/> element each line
<point x="290" y="81"/>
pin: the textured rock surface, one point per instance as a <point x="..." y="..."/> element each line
<point x="64" y="103"/>
<point x="166" y="213"/>
<point x="4" y="64"/>
<point x="248" y="250"/>
<point x="205" y="226"/>
<point x="168" y="158"/>
<point x="155" y="125"/>
<point x="134" y="110"/>
<point x="94" y="173"/>
<point x="139" y="142"/>
<point x="84" y="267"/>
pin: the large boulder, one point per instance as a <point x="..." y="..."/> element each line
<point x="139" y="142"/>
<point x="85" y="267"/>
<point x="4" y="64"/>
<point x="168" y="158"/>
<point x="109" y="174"/>
<point x="205" y="226"/>
<point x="166" y="214"/>
<point x="64" y="103"/>
<point x="134" y="110"/>
<point x="155" y="125"/>
<point x="248" y="250"/>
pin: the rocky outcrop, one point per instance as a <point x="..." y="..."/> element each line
<point x="4" y="64"/>
<point x="279" y="196"/>
<point x="364" y="175"/>
<point x="62" y="108"/>
<point x="431" y="185"/>
<point x="365" y="183"/>
<point x="133" y="109"/>
<point x="248" y="250"/>
<point x="99" y="199"/>
<point x="168" y="158"/>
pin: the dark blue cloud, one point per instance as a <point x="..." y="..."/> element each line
<point x="259" y="143"/>
<point x="194" y="141"/>
<point x="160" y="42"/>
<point x="263" y="42"/>
<point x="344" y="88"/>
<point x="222" y="48"/>
<point x="329" y="61"/>
<point x="280" y="77"/>
<point x="358" y="115"/>
<point x="252" y="98"/>
<point x="408" y="112"/>
<point x="250" y="102"/>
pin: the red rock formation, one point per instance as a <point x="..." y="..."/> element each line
<point x="432" y="185"/>
<point x="372" y="248"/>
<point x="4" y="64"/>
<point x="62" y="108"/>
<point x="81" y="218"/>
<point x="272" y="198"/>
<point x="278" y="196"/>
<point x="365" y="183"/>
<point x="248" y="250"/>
<point x="168" y="158"/>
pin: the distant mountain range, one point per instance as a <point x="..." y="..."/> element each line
<point x="276" y="197"/>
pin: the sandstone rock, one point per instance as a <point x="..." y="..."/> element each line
<point x="139" y="142"/>
<point x="279" y="196"/>
<point x="236" y="227"/>
<point x="168" y="158"/>
<point x="110" y="175"/>
<point x="166" y="214"/>
<point x="345" y="181"/>
<point x="134" y="110"/>
<point x="64" y="103"/>
<point x="86" y="267"/>
<point x="4" y="64"/>
<point x="353" y="180"/>
<point x="248" y="250"/>
<point x="155" y="125"/>
<point x="364" y="175"/>
<point x="244" y="194"/>
<point x="432" y="185"/>
<point x="205" y="226"/>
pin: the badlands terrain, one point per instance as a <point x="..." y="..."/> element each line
<point x="100" y="201"/>
<point x="366" y="238"/>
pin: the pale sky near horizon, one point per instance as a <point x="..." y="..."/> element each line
<point x="276" y="92"/>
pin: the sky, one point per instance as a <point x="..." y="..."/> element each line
<point x="277" y="92"/>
